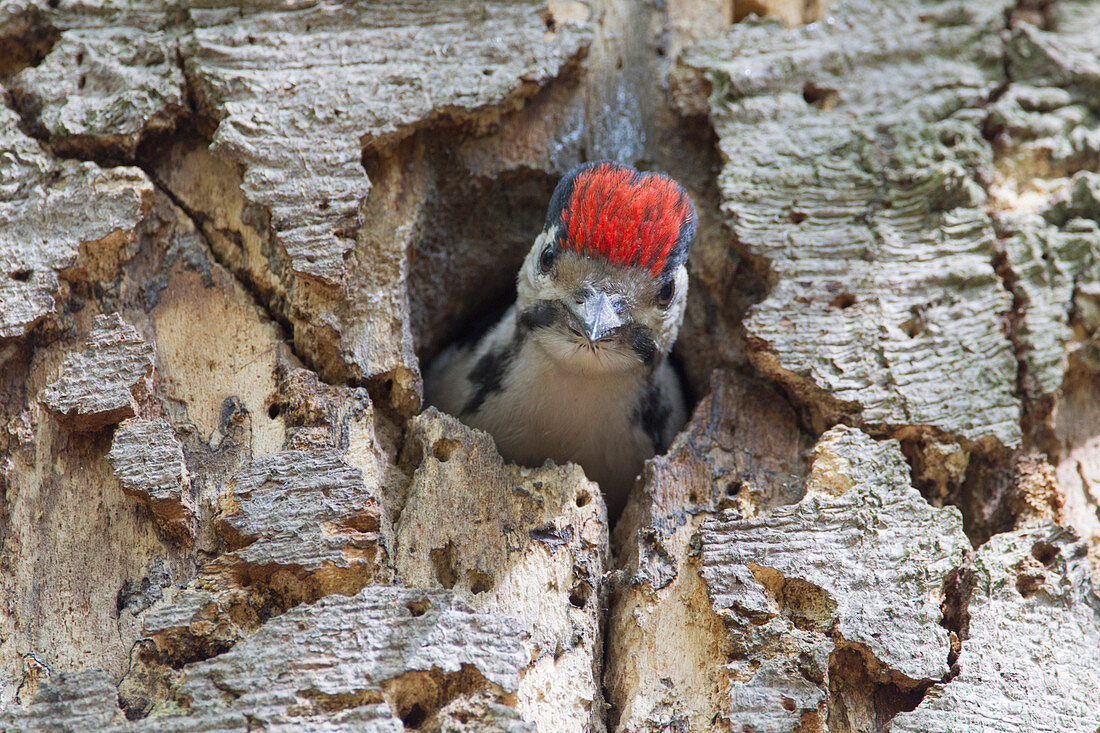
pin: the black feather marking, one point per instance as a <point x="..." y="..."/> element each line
<point x="563" y="193"/>
<point x="487" y="376"/>
<point x="641" y="341"/>
<point x="680" y="251"/>
<point x="541" y="315"/>
<point x="654" y="411"/>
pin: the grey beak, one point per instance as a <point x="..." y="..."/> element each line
<point x="597" y="316"/>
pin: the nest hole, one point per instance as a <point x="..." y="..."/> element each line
<point x="414" y="717"/>
<point x="843" y="300"/>
<point x="1028" y="584"/>
<point x="468" y="229"/>
<point x="444" y="448"/>
<point x="821" y="97"/>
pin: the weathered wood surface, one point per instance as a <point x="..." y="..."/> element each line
<point x="792" y="597"/>
<point x="229" y="235"/>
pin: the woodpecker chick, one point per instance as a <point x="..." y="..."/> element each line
<point x="576" y="370"/>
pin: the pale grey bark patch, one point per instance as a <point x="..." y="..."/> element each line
<point x="527" y="534"/>
<point x="299" y="525"/>
<point x="102" y="384"/>
<point x="305" y="509"/>
<point x="828" y="555"/>
<point x="1032" y="658"/>
<point x="47" y="214"/>
<point x="852" y="153"/>
<point x="671" y="654"/>
<point x="76" y="701"/>
<point x="148" y="460"/>
<point x="1048" y="263"/>
<point x="344" y="663"/>
<point x="1046" y="126"/>
<point x="100" y="90"/>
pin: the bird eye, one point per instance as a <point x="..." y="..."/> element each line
<point x="546" y="260"/>
<point x="664" y="295"/>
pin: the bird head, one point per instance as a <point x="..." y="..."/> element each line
<point x="604" y="287"/>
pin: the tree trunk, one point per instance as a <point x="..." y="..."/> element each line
<point x="229" y="238"/>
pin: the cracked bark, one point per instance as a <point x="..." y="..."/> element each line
<point x="229" y="237"/>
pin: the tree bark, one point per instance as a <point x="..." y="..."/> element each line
<point x="231" y="237"/>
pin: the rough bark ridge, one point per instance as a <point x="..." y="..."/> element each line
<point x="229" y="236"/>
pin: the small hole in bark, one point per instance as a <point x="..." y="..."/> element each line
<point x="323" y="206"/>
<point x="914" y="325"/>
<point x="418" y="608"/>
<point x="136" y="708"/>
<point x="443" y="561"/>
<point x="443" y="449"/>
<point x="583" y="498"/>
<point x="788" y="704"/>
<point x="487" y="72"/>
<point x="797" y="217"/>
<point x="80" y="58"/>
<point x="578" y="596"/>
<point x="22" y="275"/>
<point x="415" y="717"/>
<point x="820" y="97"/>
<point x="548" y="19"/>
<point x="1028" y="585"/>
<point x="843" y="300"/>
<point x="1044" y="552"/>
<point x="82" y="81"/>
<point x="733" y="488"/>
<point x="480" y="582"/>
<point x="273" y="411"/>
<point x="693" y="498"/>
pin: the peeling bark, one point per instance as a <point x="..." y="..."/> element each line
<point x="231" y="237"/>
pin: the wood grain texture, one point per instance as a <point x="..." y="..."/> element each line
<point x="775" y="607"/>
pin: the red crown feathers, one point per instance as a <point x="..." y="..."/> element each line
<point x="626" y="217"/>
